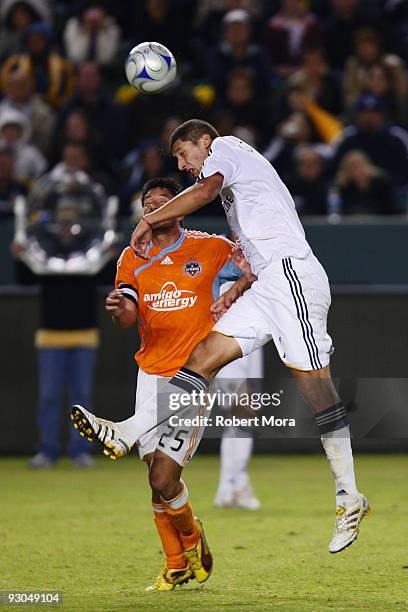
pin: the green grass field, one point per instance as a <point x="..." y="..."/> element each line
<point x="90" y="535"/>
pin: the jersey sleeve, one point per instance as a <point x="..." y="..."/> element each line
<point x="226" y="271"/>
<point x="125" y="278"/>
<point x="219" y="160"/>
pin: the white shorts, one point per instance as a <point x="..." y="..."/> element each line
<point x="288" y="303"/>
<point x="179" y="443"/>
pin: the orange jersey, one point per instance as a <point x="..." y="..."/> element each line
<point x="174" y="290"/>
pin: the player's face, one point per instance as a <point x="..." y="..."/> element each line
<point x="156" y="198"/>
<point x="190" y="156"/>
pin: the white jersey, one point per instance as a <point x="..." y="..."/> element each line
<point x="258" y="205"/>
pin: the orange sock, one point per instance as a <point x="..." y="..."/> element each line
<point x="172" y="545"/>
<point x="181" y="515"/>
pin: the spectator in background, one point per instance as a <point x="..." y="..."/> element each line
<point x="223" y="121"/>
<point x="132" y="165"/>
<point x="68" y="335"/>
<point x="52" y="74"/>
<point x="236" y="50"/>
<point x="77" y="130"/>
<point x="347" y="17"/>
<point x="381" y="83"/>
<point x="10" y="185"/>
<point x="106" y="119"/>
<point x="210" y="13"/>
<point x="15" y="133"/>
<point x="76" y="156"/>
<point x="308" y="185"/>
<point x="16" y="16"/>
<point x="386" y="146"/>
<point x="167" y="22"/>
<point x="150" y="163"/>
<point x="288" y="32"/>
<point x="20" y="96"/>
<point x="246" y="108"/>
<point x="316" y="81"/>
<point x="294" y="131"/>
<point x="394" y="19"/>
<point x="369" y="53"/>
<point x="93" y="35"/>
<point x="147" y="114"/>
<point x="363" y="187"/>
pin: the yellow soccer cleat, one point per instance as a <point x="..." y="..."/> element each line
<point x="200" y="558"/>
<point x="168" y="579"/>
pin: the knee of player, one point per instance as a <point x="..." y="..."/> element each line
<point x="159" y="481"/>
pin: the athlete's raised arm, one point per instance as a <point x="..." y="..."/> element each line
<point x="191" y="199"/>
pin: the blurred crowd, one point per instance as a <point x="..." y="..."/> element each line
<point x="318" y="86"/>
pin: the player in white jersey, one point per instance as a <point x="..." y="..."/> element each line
<point x="288" y="302"/>
<point x="239" y="376"/>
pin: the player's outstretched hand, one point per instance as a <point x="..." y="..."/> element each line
<point x="141" y="238"/>
<point x="224" y="302"/>
<point x="115" y="303"/>
<point x="239" y="261"/>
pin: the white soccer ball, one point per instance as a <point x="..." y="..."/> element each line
<point x="150" y="67"/>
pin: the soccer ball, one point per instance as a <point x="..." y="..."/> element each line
<point x="150" y="67"/>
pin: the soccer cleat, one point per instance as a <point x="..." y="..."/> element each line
<point x="199" y="557"/>
<point x="223" y="500"/>
<point x="168" y="579"/>
<point x="106" y="433"/>
<point x="348" y="518"/>
<point x="244" y="498"/>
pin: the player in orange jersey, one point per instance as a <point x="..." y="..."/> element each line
<point x="170" y="297"/>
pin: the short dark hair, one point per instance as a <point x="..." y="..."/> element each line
<point x="192" y="130"/>
<point x="161" y="182"/>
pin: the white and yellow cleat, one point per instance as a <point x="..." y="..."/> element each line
<point x="169" y="578"/>
<point x="106" y="433"/>
<point x="349" y="514"/>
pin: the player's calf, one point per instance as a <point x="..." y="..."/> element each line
<point x="180" y="531"/>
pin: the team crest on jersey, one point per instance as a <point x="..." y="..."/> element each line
<point x="192" y="268"/>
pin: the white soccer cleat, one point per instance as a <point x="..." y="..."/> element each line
<point x="106" y="433"/>
<point x="224" y="500"/>
<point x="349" y="514"/>
<point x="245" y="498"/>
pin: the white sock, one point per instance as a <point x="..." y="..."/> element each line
<point x="242" y="450"/>
<point x="135" y="426"/>
<point x="337" y="445"/>
<point x="234" y="455"/>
